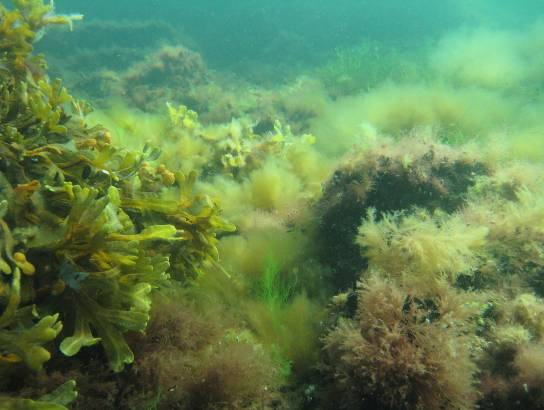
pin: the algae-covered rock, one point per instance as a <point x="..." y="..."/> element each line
<point x="388" y="176"/>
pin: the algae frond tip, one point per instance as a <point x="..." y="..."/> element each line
<point x="62" y="19"/>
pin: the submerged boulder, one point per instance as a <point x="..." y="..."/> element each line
<point x="388" y="176"/>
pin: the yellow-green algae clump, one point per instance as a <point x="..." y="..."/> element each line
<point x="85" y="236"/>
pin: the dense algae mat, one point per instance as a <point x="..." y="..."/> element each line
<point x="214" y="253"/>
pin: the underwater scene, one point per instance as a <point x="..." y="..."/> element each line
<point x="271" y="205"/>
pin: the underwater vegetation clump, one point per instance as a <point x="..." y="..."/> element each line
<point x="514" y="217"/>
<point x="404" y="350"/>
<point x="88" y="230"/>
<point x="192" y="358"/>
<point x="389" y="176"/>
<point x="419" y="246"/>
<point x="93" y="52"/>
<point x="476" y="266"/>
<point x="365" y="66"/>
<point x="444" y="243"/>
<point x="508" y="58"/>
<point x="170" y="68"/>
<point x="512" y="362"/>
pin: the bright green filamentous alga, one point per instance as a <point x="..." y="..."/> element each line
<point x="87" y="230"/>
<point x="274" y="291"/>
